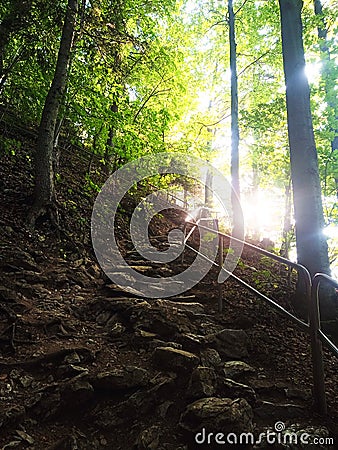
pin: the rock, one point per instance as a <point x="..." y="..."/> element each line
<point x="268" y="410"/>
<point x="195" y="308"/>
<point x="229" y="343"/>
<point x="233" y="389"/>
<point x="203" y="382"/>
<point x="164" y="321"/>
<point x="144" y="402"/>
<point x="191" y="342"/>
<point x="117" y="330"/>
<point x="145" y="335"/>
<point x="149" y="439"/>
<point x="175" y="360"/>
<point x="234" y="369"/>
<point x="26" y="381"/>
<point x="118" y="379"/>
<point x="72" y="358"/>
<point x="121" y="305"/>
<point x="218" y="415"/>
<point x="25" y="436"/>
<point x="71" y="370"/>
<point x="268" y="388"/>
<point x="210" y="358"/>
<point x="159" y="343"/>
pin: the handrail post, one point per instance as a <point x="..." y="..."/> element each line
<point x="317" y="351"/>
<point x="220" y="285"/>
<point x="183" y="241"/>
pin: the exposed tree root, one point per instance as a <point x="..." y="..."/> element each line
<point x="48" y="211"/>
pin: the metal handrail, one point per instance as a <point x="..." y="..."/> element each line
<point x="317" y="279"/>
<point x="301" y="269"/>
<point x="311" y="293"/>
<point x="168" y="194"/>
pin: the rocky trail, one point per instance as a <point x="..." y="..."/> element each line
<point x="86" y="365"/>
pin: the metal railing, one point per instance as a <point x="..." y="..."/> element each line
<point x="169" y="196"/>
<point x="311" y="298"/>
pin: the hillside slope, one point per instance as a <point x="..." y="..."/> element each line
<point x="85" y="365"/>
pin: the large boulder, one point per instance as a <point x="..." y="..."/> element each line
<point x="217" y="415"/>
<point x="235" y="369"/>
<point x="229" y="343"/>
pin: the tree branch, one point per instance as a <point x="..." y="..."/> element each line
<point x="152" y="94"/>
<point x="253" y="62"/>
<point x="242" y="6"/>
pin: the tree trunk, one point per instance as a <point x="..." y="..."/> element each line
<point x="44" y="173"/>
<point x="235" y="194"/>
<point x="328" y="77"/>
<point x="287" y="227"/>
<point x="208" y="192"/>
<point x="312" y="251"/>
<point x="109" y="150"/>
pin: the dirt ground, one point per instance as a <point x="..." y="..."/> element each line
<point x="85" y="365"/>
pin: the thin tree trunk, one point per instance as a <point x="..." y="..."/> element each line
<point x="44" y="174"/>
<point x="235" y="194"/>
<point x="208" y="192"/>
<point x="286" y="244"/>
<point x="312" y="251"/>
<point x="256" y="232"/>
<point x="109" y="150"/>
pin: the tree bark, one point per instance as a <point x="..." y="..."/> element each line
<point x="44" y="173"/>
<point x="235" y="194"/>
<point x="312" y="251"/>
<point x="287" y="227"/>
<point x="109" y="150"/>
<point x="327" y="76"/>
